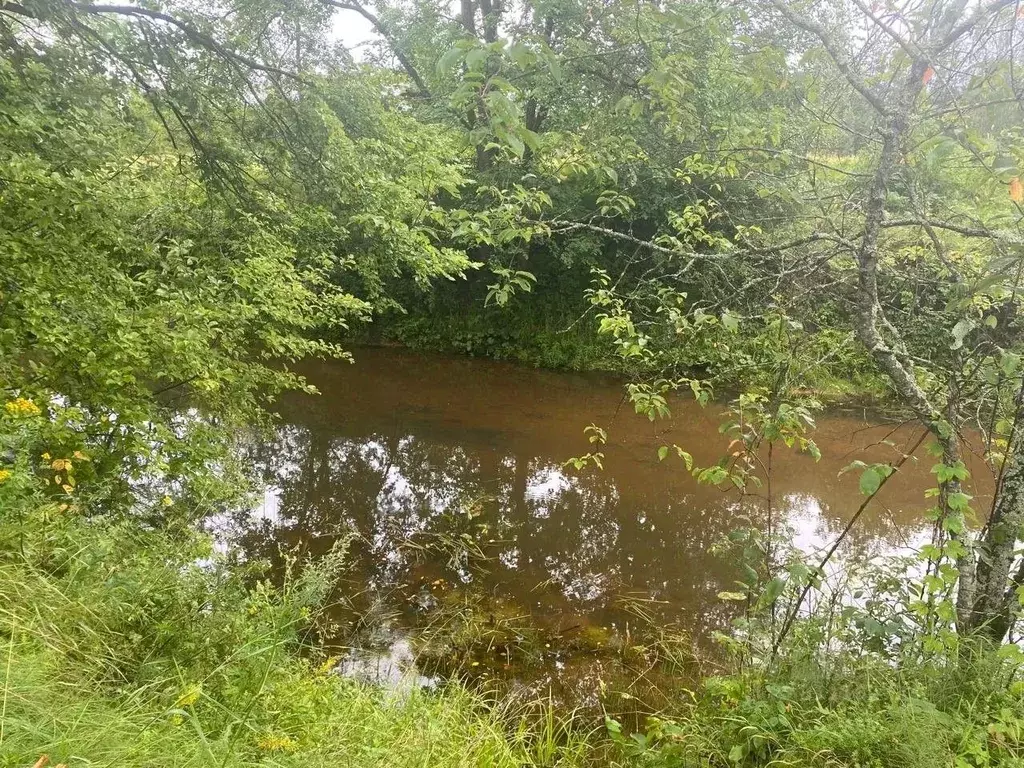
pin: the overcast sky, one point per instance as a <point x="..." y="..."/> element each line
<point x="353" y="31"/>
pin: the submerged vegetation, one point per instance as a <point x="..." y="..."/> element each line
<point x="777" y="200"/>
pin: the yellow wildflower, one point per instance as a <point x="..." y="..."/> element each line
<point x="4" y="475"/>
<point x="190" y="696"/>
<point x="46" y="457"/>
<point x="22" y="407"/>
<point x="328" y="666"/>
<point x="167" y="501"/>
<point x="272" y="743"/>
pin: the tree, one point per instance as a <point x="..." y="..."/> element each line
<point x="183" y="215"/>
<point x="901" y="173"/>
<point x="941" y="71"/>
<point x="616" y="119"/>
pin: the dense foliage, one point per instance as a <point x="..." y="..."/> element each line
<point x="779" y="200"/>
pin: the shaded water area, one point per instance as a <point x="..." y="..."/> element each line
<point x="476" y="550"/>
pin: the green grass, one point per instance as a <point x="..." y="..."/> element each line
<point x="546" y="342"/>
<point x="876" y="717"/>
<point x="119" y="647"/>
<point x="50" y="710"/>
<point x="124" y="644"/>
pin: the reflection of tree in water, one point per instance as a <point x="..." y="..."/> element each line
<point x="569" y="548"/>
<point x="567" y="553"/>
<point x="564" y="547"/>
<point x="413" y="458"/>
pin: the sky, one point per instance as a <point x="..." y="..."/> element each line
<point x="353" y="31"/>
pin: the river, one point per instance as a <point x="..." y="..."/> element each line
<point x="450" y="473"/>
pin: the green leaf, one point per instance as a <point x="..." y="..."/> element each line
<point x="516" y="144"/>
<point x="662" y="452"/>
<point x="771" y="592"/>
<point x="712" y="475"/>
<point x="1009" y="363"/>
<point x="871" y="480"/>
<point x="614" y="727"/>
<point x="959" y="501"/>
<point x="451" y="57"/>
<point x="686" y="457"/>
<point x="476" y="57"/>
<point x="960" y="331"/>
<point x="813" y="450"/>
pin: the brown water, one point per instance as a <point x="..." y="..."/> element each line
<point x="451" y="474"/>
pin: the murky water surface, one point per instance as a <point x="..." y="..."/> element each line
<point x="451" y="475"/>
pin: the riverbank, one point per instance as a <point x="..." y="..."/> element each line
<point x="128" y="637"/>
<point x="123" y="646"/>
<point x="127" y="647"/>
<point x="544" y="331"/>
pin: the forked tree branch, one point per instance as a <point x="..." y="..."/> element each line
<point x="193" y="33"/>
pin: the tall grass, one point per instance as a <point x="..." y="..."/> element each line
<point x="121" y="646"/>
<point x="124" y="643"/>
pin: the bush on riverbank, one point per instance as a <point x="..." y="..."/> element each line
<point x="555" y="327"/>
<point x="869" y="715"/>
<point x="861" y="669"/>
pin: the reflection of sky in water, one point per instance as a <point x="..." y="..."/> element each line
<point x="269" y="510"/>
<point x="580" y="537"/>
<point x="803" y="517"/>
<point x="812" y="533"/>
<point x="545" y="485"/>
<point x="558" y="542"/>
<point x="432" y="462"/>
<point x="393" y="666"/>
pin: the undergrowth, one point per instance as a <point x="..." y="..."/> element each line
<point x="129" y="647"/>
<point x="871" y="716"/>
<point x="128" y="639"/>
<point x="866" y="676"/>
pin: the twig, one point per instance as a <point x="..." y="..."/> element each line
<point x="791" y="617"/>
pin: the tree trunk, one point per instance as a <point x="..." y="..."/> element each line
<point x="987" y="602"/>
<point x="995" y="605"/>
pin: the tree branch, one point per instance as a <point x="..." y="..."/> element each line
<point x="841" y="60"/>
<point x="1004" y="237"/>
<point x="384" y="31"/>
<point x="980" y="14"/>
<point x="192" y="32"/>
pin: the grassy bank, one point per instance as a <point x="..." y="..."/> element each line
<point x="555" y="327"/>
<point x="125" y="645"/>
<point x="127" y="639"/>
<point x="552" y="326"/>
<point x="129" y="647"/>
